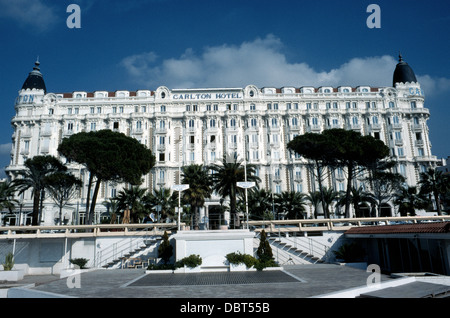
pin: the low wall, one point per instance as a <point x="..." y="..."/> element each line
<point x="47" y="256"/>
<point x="213" y="246"/>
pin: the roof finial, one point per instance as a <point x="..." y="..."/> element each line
<point x="36" y="64"/>
<point x="400" y="58"/>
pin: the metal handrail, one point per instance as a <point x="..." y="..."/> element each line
<point x="311" y="225"/>
<point x="54" y="231"/>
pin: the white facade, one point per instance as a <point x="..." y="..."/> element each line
<point x="255" y="123"/>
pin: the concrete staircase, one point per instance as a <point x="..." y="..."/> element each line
<point x="290" y="255"/>
<point x="287" y="252"/>
<point x="145" y="249"/>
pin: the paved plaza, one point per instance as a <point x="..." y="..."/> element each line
<point x="296" y="281"/>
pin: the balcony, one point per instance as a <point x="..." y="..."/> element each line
<point x="313" y="128"/>
<point x="356" y="127"/>
<point x="67" y="133"/>
<point x="46" y="133"/>
<point x="398" y="142"/>
<point x="160" y="130"/>
<point x="161" y="147"/>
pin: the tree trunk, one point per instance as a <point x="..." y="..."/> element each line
<point x="348" y="190"/>
<point x="41" y="205"/>
<point x="94" y="201"/>
<point x="88" y="197"/>
<point x="319" y="177"/>
<point x="438" y="202"/>
<point x="36" y="195"/>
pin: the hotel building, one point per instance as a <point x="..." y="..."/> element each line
<point x="199" y="126"/>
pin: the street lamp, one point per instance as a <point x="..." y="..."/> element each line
<point x="179" y="187"/>
<point x="245" y="185"/>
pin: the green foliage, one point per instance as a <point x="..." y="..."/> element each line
<point x="291" y="204"/>
<point x="133" y="199"/>
<point x="190" y="261"/>
<point x="200" y="187"/>
<point x="350" y="252"/>
<point x="80" y="262"/>
<point x="238" y="258"/>
<point x="109" y="156"/>
<point x="34" y="178"/>
<point x="264" y="251"/>
<point x="435" y="183"/>
<point x="9" y="262"/>
<point x="159" y="267"/>
<point x="339" y="148"/>
<point x="165" y="250"/>
<point x="227" y="174"/>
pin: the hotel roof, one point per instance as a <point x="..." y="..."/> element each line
<point x="434" y="227"/>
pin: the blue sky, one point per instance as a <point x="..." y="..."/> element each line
<point x="143" y="44"/>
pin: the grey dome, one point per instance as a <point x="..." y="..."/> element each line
<point x="403" y="73"/>
<point x="35" y="79"/>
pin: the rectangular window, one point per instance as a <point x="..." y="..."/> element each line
<point x="116" y="125"/>
<point x="420" y="152"/>
<point x="162" y="157"/>
<point x="278" y="189"/>
<point x="192" y="139"/>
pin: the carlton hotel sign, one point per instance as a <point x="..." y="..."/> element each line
<point x="207" y="96"/>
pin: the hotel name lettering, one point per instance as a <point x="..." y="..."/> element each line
<point x="206" y="96"/>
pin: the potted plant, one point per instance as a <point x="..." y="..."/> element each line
<point x="80" y="263"/>
<point x="240" y="262"/>
<point x="8" y="273"/>
<point x="190" y="263"/>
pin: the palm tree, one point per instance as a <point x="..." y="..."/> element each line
<point x="436" y="183"/>
<point x="132" y="199"/>
<point x="226" y="176"/>
<point x="357" y="197"/>
<point x="163" y="199"/>
<point x="62" y="187"/>
<point x="112" y="207"/>
<point x="7" y="191"/>
<point x="329" y="196"/>
<point x="409" y="199"/>
<point x="33" y="178"/>
<point x="200" y="188"/>
<point x="315" y="198"/>
<point x="259" y="204"/>
<point x="291" y="204"/>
